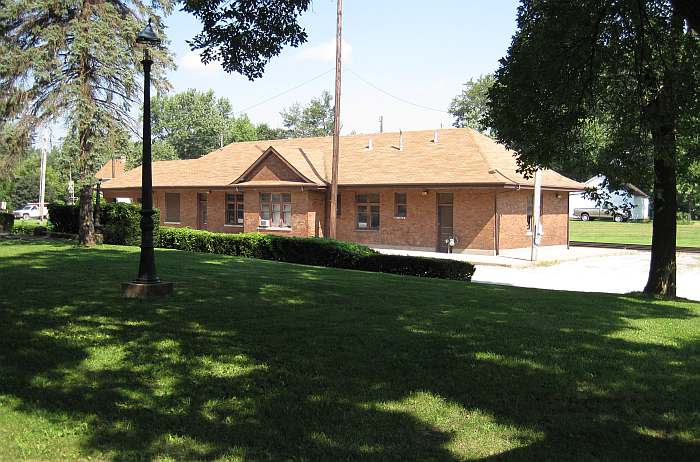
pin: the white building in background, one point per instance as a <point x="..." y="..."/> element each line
<point x="630" y="194"/>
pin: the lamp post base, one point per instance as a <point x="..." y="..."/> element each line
<point x="135" y="289"/>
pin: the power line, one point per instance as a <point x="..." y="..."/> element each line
<point x="286" y="91"/>
<point x="398" y="98"/>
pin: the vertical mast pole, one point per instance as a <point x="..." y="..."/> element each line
<point x="336" y="124"/>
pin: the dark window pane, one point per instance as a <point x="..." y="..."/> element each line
<point x="400" y="198"/>
<point x="265" y="197"/>
<point x="275" y="197"/>
<point x="362" y="221"/>
<point x="401" y="211"/>
<point x="374" y="222"/>
<point x="338" y="206"/>
<point x="361" y="198"/>
<point x="445" y="198"/>
<point x="172" y="207"/>
<point x="286" y="197"/>
<point x="373" y="198"/>
<point x="239" y="197"/>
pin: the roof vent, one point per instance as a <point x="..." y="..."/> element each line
<point x="370" y="145"/>
<point x="436" y="137"/>
<point x="400" y="140"/>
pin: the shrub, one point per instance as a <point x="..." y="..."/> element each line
<point x="7" y="220"/>
<point x="311" y="251"/>
<point x="40" y="231"/>
<point x="418" y="266"/>
<point x="121" y="223"/>
<point x="26" y="227"/>
<point x="307" y="251"/>
<point x="64" y="218"/>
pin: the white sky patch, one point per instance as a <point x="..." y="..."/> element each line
<point x="325" y="51"/>
<point x="191" y="62"/>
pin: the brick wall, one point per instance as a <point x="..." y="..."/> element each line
<point x="472" y="212"/>
<point x="512" y="208"/>
<point x="473" y="216"/>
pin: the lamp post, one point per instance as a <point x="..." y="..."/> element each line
<point x="147" y="283"/>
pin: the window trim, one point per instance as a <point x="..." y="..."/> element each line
<point x="282" y="212"/>
<point x="398" y="204"/>
<point x="369" y="204"/>
<point x="167" y="217"/>
<point x="235" y="203"/>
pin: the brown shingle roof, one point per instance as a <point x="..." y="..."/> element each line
<point x="105" y="172"/>
<point x="462" y="157"/>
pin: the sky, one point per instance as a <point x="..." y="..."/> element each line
<point x="419" y="52"/>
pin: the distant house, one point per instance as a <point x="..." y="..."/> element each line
<point x="414" y="190"/>
<point x="630" y="196"/>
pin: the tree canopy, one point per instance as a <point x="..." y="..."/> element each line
<point x="77" y="63"/>
<point x="313" y="119"/>
<point x="612" y="83"/>
<point x="245" y="34"/>
<point x="469" y="107"/>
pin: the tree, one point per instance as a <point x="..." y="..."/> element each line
<point x="77" y="62"/>
<point x="193" y="123"/>
<point x="469" y="107"/>
<point x="245" y="34"/>
<point x="160" y="150"/>
<point x="626" y="70"/>
<point x="314" y="119"/>
<point x="265" y="132"/>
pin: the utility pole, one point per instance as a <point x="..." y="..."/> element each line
<point x="381" y="124"/>
<point x="42" y="175"/>
<point x="336" y="124"/>
<point x="536" y="223"/>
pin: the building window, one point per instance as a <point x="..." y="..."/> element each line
<point x="400" y="205"/>
<point x="277" y="209"/>
<point x="234" y="209"/>
<point x="172" y="207"/>
<point x="338" y="206"/>
<point x="367" y="211"/>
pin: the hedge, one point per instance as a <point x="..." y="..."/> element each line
<point x="312" y="251"/>
<point x="7" y="221"/>
<point x="64" y="218"/>
<point x="121" y="223"/>
<point x="305" y="251"/>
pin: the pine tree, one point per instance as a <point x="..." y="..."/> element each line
<point x="75" y="62"/>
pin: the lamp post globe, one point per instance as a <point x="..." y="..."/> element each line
<point x="147" y="284"/>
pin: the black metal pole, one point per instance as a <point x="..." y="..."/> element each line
<point x="96" y="216"/>
<point x="147" y="263"/>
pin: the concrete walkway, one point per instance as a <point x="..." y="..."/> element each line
<point x="578" y="269"/>
<point x="518" y="258"/>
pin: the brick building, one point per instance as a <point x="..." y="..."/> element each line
<point x="412" y="191"/>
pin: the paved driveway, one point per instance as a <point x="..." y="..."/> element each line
<point x="612" y="273"/>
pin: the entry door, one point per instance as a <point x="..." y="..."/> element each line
<point x="444" y="219"/>
<point x="201" y="210"/>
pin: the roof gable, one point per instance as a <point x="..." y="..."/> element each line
<point x="271" y="166"/>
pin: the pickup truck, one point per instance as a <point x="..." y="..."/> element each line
<point x="588" y="214"/>
<point x="30" y="210"/>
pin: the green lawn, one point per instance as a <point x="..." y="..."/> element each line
<point x="257" y="360"/>
<point x="688" y="235"/>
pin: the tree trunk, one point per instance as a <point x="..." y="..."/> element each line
<point x="662" y="271"/>
<point x="86" y="234"/>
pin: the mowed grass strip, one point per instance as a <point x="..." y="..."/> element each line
<point x="687" y="235"/>
<point x="258" y="360"/>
